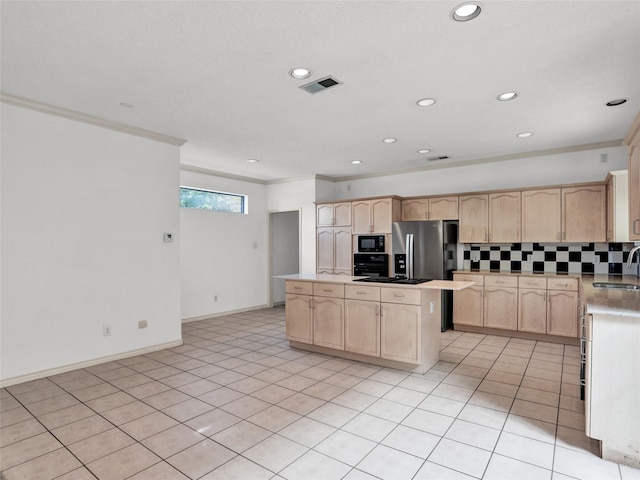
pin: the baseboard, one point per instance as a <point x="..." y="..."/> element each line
<point x="223" y="314"/>
<point x="88" y="363"/>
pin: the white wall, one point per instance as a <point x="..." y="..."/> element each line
<point x="545" y="170"/>
<point x="298" y="195"/>
<point x="83" y="215"/>
<point x="223" y="254"/>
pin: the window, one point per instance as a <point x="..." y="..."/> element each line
<point x="209" y="200"/>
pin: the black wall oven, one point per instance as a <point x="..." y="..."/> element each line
<point x="371" y="265"/>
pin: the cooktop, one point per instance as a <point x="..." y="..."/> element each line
<point x="397" y="279"/>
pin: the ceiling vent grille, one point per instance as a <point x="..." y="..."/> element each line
<point x="320" y="85"/>
<point x="433" y="159"/>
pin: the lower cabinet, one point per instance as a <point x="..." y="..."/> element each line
<point x="562" y="308"/>
<point x="468" y="303"/>
<point x="299" y="317"/>
<point x="328" y="322"/>
<point x="501" y="302"/>
<point x="400" y="332"/>
<point x="532" y="310"/>
<point x="362" y="327"/>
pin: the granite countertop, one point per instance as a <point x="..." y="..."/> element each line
<point x="346" y="279"/>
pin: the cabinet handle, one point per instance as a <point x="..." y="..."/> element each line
<point x="312" y="303"/>
<point x="636" y="222"/>
<point x="326" y="290"/>
<point x="426" y="216"/>
<point x="558" y="236"/>
<point x="486" y="237"/>
<point x="361" y="293"/>
<point x="564" y="235"/>
<point x="398" y="295"/>
<point x="297" y="288"/>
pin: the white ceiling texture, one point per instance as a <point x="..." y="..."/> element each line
<point x="216" y="73"/>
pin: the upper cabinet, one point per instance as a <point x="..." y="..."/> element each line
<point x="376" y="215"/>
<point x="618" y="206"/>
<point x="474" y="218"/>
<point x="504" y="217"/>
<point x="333" y="214"/>
<point x="584" y="211"/>
<point x="541" y="217"/>
<point x="430" y="208"/>
<point x="632" y="140"/>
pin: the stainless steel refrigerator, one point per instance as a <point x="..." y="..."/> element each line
<point x="427" y="250"/>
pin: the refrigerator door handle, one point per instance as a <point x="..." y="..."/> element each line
<point x="409" y="255"/>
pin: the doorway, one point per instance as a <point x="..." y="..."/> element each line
<point x="284" y="254"/>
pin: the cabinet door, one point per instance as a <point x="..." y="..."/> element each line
<point x="343" y="258"/>
<point x="541" y="215"/>
<point x="584" y="214"/>
<point x="381" y="215"/>
<point x="634" y="193"/>
<point x="611" y="203"/>
<point x="325" y="249"/>
<point x="299" y="318"/>
<point x="562" y="313"/>
<point x="328" y="322"/>
<point x="400" y="332"/>
<point x="474" y="217"/>
<point x="501" y="308"/>
<point x="361" y="216"/>
<point x="443" y="208"/>
<point x="468" y="306"/>
<point x="342" y="214"/>
<point x="505" y="222"/>
<point x="532" y="310"/>
<point x="324" y="215"/>
<point x="415" y="209"/>
<point x="362" y="327"/>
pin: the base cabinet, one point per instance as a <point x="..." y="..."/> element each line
<point x="299" y="317"/>
<point x="562" y="308"/>
<point x="328" y="322"/>
<point x="468" y="303"/>
<point x="501" y="307"/>
<point x="532" y="310"/>
<point x="362" y="327"/>
<point x="400" y="332"/>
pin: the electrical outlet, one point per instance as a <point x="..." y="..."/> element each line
<point x="604" y="157"/>
<point x="106" y="330"/>
<point x="142" y="324"/>
<point x="475" y="256"/>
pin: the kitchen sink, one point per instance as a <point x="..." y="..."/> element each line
<point x="616" y="286"/>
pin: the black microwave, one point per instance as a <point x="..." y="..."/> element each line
<point x="370" y="243"/>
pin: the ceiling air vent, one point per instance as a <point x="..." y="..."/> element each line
<point x="320" y="85"/>
<point x="433" y="159"/>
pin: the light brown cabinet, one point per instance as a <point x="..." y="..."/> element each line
<point x="468" y="303"/>
<point x="541" y="215"/>
<point x="474" y="218"/>
<point x="333" y="214"/>
<point x="362" y="320"/>
<point x="500" y="302"/>
<point x="505" y="217"/>
<point x="618" y="206"/>
<point x="430" y="208"/>
<point x="532" y="304"/>
<point x="400" y="332"/>
<point x="632" y="140"/>
<point x="328" y="322"/>
<point x="584" y="214"/>
<point x="562" y="307"/>
<point x="299" y="311"/>
<point x="375" y="216"/>
<point x="333" y="250"/>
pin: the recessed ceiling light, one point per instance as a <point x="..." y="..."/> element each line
<point x="300" y="73"/>
<point x="524" y="134"/>
<point x="506" y="96"/>
<point x="424" y="150"/>
<point x="616" y="102"/>
<point x="390" y="140"/>
<point x="426" y="102"/>
<point x="356" y="162"/>
<point x="465" y="12"/>
<point x="253" y="160"/>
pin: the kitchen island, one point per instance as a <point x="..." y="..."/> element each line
<point x="393" y="325"/>
<point x="612" y="379"/>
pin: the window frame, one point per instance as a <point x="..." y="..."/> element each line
<point x="243" y="200"/>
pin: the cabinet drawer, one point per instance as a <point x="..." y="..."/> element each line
<point x="469" y="277"/>
<point x="401" y="295"/>
<point x="302" y="288"/>
<point x="533" y="282"/>
<point x="510" y="281"/>
<point x="362" y="293"/>
<point x="569" y="284"/>
<point x="334" y="290"/>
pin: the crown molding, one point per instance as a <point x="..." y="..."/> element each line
<point x="216" y="173"/>
<point x="22" y="102"/>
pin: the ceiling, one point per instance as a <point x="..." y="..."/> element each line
<point x="216" y="73"/>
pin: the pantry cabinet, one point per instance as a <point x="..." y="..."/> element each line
<point x="505" y="217"/>
<point x="584" y="214"/>
<point x="333" y="214"/>
<point x="376" y="215"/>
<point x="334" y="250"/>
<point x="474" y="218"/>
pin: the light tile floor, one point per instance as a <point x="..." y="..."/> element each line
<point x="235" y="402"/>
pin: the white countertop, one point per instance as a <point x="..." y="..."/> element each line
<point x="346" y="279"/>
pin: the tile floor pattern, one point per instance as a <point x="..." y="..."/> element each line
<point x="235" y="402"/>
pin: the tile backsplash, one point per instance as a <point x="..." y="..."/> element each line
<point x="606" y="258"/>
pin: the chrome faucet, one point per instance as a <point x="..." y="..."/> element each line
<point x="630" y="259"/>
